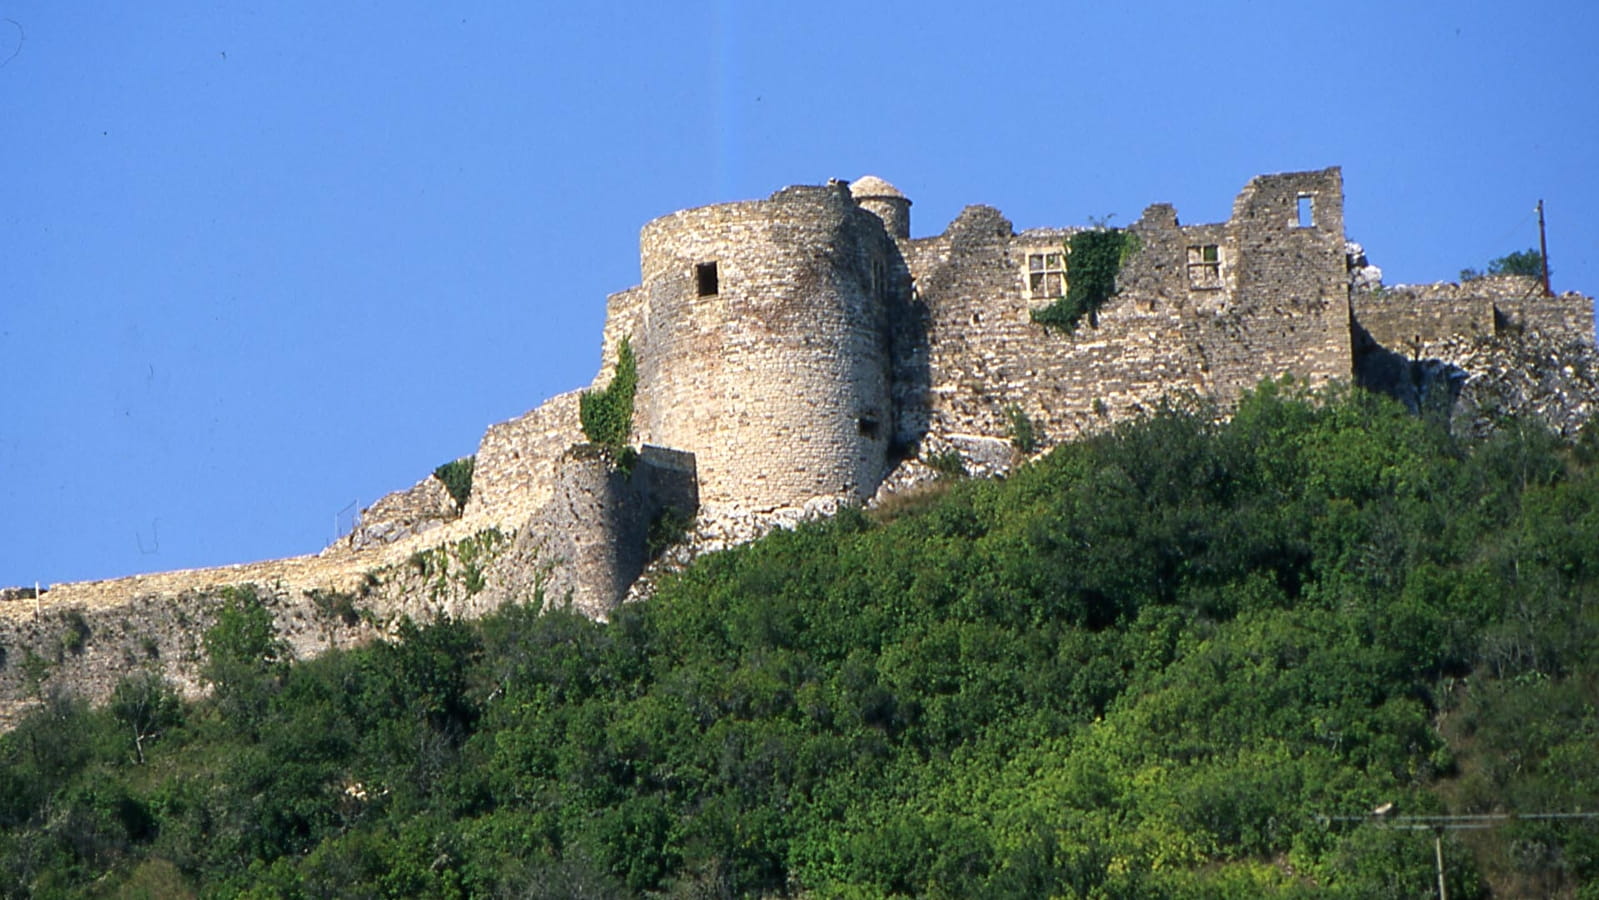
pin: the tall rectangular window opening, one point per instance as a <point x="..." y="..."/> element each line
<point x="705" y="281"/>
<point x="879" y="278"/>
<point x="1204" y="267"/>
<point x="1046" y="274"/>
<point x="1307" y="211"/>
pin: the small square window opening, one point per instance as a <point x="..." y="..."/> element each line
<point x="1046" y="274"/>
<point x="706" y="283"/>
<point x="1204" y="267"/>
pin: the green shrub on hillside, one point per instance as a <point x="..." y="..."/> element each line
<point x="1157" y="663"/>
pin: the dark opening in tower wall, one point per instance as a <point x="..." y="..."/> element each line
<point x="706" y="282"/>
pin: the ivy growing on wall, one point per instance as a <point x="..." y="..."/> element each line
<point x="607" y="416"/>
<point x="1092" y="260"/>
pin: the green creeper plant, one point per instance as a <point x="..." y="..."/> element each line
<point x="1092" y="260"/>
<point x="607" y="415"/>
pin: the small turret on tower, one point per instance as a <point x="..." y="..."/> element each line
<point x="883" y="200"/>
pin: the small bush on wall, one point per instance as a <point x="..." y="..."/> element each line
<point x="607" y="416"/>
<point x="457" y="478"/>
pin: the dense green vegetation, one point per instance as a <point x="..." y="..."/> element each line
<point x="1150" y="665"/>
<point x="607" y="415"/>
<point x="1093" y="258"/>
<point x="457" y="478"/>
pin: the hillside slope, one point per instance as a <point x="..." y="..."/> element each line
<point x="1158" y="663"/>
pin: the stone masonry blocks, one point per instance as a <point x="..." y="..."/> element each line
<point x="776" y="376"/>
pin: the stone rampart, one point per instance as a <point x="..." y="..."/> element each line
<point x="591" y="533"/>
<point x="86" y="651"/>
<point x="426" y="506"/>
<point x="1406" y="317"/>
<point x="516" y="462"/>
<point x="86" y="637"/>
<point x="1565" y="317"/>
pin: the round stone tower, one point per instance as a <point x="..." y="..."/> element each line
<point x="883" y="200"/>
<point x="762" y="347"/>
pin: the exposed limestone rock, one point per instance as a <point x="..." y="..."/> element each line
<point x="1362" y="274"/>
<point x="1557" y="384"/>
<point x="907" y="476"/>
<point x="1479" y="382"/>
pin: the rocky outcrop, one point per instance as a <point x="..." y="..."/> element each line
<point x="1481" y="382"/>
<point x="1553" y="383"/>
<point x="1362" y="274"/>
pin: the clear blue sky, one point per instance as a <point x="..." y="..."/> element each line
<point x="261" y="260"/>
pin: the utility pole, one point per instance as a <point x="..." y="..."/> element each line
<point x="1438" y="854"/>
<point x="1383" y="817"/>
<point x="1543" y="252"/>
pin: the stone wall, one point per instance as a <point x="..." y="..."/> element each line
<point x="1289" y="309"/>
<point x="590" y="542"/>
<point x="426" y="506"/>
<point x="1402" y="318"/>
<point x="1275" y="303"/>
<point x="592" y="533"/>
<point x="988" y="359"/>
<point x="85" y="651"/>
<point x="1567" y="317"/>
<point x="84" y="638"/>
<point x="516" y="462"/>
<point x="1406" y="317"/>
<point x="624" y="317"/>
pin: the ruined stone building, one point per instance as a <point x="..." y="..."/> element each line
<point x="794" y="352"/>
<point x="804" y="351"/>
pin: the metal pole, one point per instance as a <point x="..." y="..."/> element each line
<point x="1543" y="252"/>
<point x="1438" y="853"/>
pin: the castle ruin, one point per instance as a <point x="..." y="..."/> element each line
<point x="795" y="351"/>
<point x="803" y="351"/>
